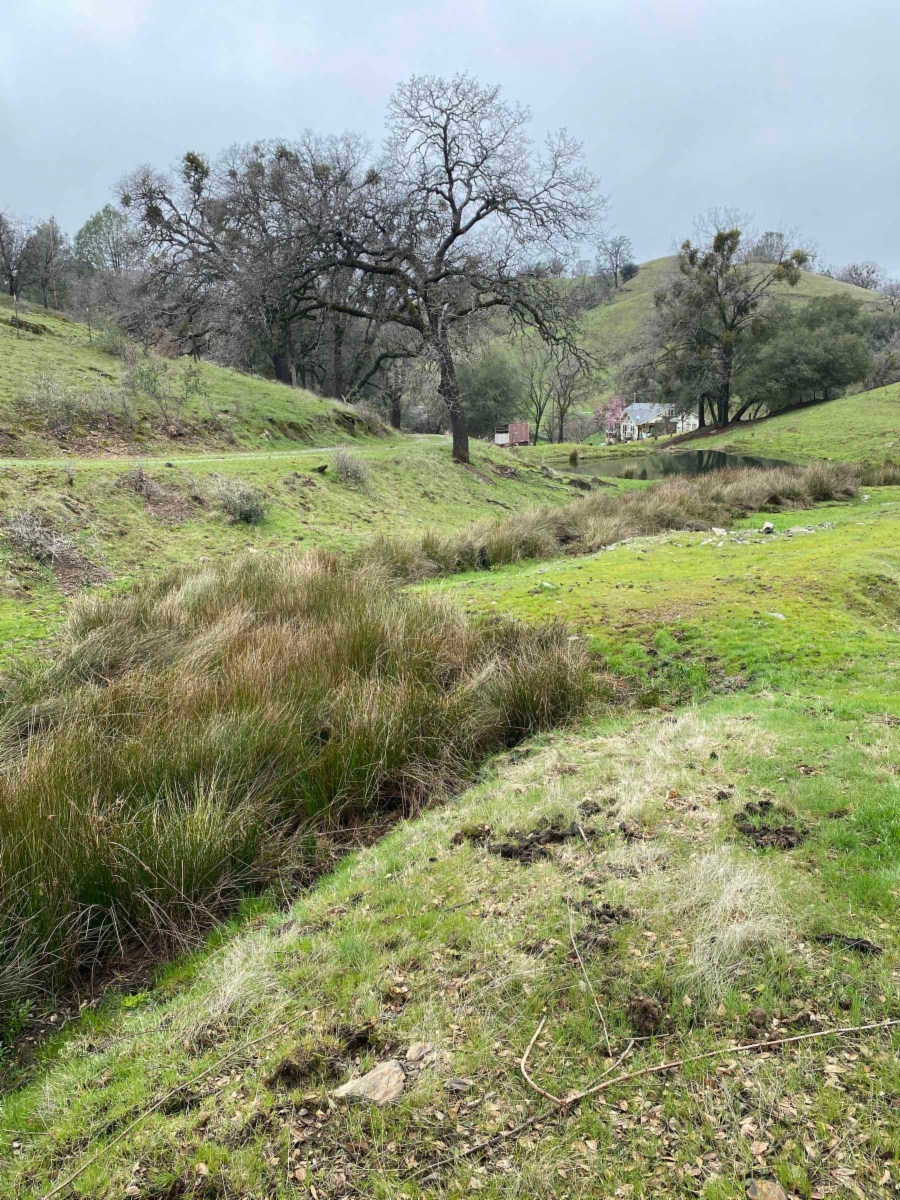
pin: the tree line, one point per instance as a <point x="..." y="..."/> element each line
<point x="441" y="277"/>
<point x="726" y="340"/>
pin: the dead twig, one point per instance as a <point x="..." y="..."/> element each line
<point x="524" y="1068"/>
<point x="770" y="1043"/>
<point x="587" y="978"/>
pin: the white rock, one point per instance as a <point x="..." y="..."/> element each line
<point x="384" y="1084"/>
<point x="719" y="532"/>
<point x="768" y="527"/>
<point x="777" y="616"/>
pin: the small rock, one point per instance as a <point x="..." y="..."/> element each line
<point x="777" y="616"/>
<point x="458" y="1084"/>
<point x="766" y="1189"/>
<point x="418" y="1052"/>
<point x="719" y="532"/>
<point x="382" y="1085"/>
<point x="768" y="528"/>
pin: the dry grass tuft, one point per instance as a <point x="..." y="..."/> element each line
<point x="601" y="519"/>
<point x="238" y="985"/>
<point x="734" y="914"/>
<point x="200" y="735"/>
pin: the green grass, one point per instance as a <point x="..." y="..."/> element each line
<point x="239" y="410"/>
<point x="413" y="485"/>
<point x="420" y="939"/>
<point x="612" y="326"/>
<point x="860" y="428"/>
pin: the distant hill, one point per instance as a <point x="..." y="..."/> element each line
<point x="233" y="409"/>
<point x="611" y="326"/>
<point x="860" y="428"/>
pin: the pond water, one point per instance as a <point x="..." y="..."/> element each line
<point x="658" y="466"/>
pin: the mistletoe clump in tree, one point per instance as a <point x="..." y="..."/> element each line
<point x="707" y="318"/>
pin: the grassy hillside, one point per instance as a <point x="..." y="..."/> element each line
<point x="860" y="428"/>
<point x="613" y="325"/>
<point x="704" y="859"/>
<point x="232" y="409"/>
<point x="129" y="524"/>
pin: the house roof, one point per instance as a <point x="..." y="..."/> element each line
<point x="641" y="414"/>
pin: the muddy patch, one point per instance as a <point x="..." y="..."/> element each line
<point x="304" y="1067"/>
<point x="534" y="845"/>
<point x="860" y="944"/>
<point x="601" y="919"/>
<point x="770" y="827"/>
<point x="474" y="835"/>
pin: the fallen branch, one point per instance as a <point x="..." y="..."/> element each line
<point x="562" y="1105"/>
<point x="770" y="1043"/>
<point x="585" y="974"/>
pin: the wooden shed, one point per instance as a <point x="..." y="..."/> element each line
<point x="516" y="433"/>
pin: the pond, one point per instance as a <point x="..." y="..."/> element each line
<point x="658" y="466"/>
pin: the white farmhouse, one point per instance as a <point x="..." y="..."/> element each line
<point x="650" y="420"/>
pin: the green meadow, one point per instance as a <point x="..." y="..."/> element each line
<point x="625" y="796"/>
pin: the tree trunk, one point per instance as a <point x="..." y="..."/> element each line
<point x="281" y="367"/>
<point x="450" y="394"/>
<point x="701" y="413"/>
<point x="338" y="360"/>
<point x="395" y="408"/>
<point x="724" y="396"/>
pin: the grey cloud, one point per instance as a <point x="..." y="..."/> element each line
<point x="785" y="108"/>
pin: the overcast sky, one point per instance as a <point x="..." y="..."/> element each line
<point x="787" y="109"/>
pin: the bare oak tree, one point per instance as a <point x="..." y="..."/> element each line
<point x="459" y="209"/>
<point x="613" y="252"/>
<point x="16" y="251"/>
<point x="866" y="275"/>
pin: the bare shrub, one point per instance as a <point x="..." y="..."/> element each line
<point x="112" y="340"/>
<point x="242" y="503"/>
<point x="349" y="469"/>
<point x="56" y="406"/>
<point x="31" y="534"/>
<point x="138" y="481"/>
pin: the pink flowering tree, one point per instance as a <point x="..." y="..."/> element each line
<point x="611" y="414"/>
